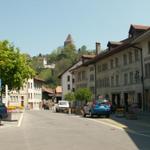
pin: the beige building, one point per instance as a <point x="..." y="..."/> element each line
<point x="122" y="71"/>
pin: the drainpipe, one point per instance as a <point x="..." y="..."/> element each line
<point x="95" y="81"/>
<point x="142" y="77"/>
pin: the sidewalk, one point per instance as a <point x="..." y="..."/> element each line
<point x="15" y="122"/>
<point x="141" y="125"/>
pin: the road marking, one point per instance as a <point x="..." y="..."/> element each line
<point x="20" y="120"/>
<point x="120" y="127"/>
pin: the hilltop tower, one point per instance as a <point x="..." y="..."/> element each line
<point x="68" y="40"/>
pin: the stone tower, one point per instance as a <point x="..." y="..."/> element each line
<point x="68" y="40"/>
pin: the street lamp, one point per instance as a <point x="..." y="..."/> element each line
<point x="142" y="76"/>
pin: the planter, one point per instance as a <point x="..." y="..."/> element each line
<point x="120" y="112"/>
<point x="13" y="116"/>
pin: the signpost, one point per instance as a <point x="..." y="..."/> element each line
<point x="1" y="90"/>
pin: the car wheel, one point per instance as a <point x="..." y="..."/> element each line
<point x="84" y="114"/>
<point x="108" y="115"/>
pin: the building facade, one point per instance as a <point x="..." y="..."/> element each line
<point x="29" y="96"/>
<point x="122" y="72"/>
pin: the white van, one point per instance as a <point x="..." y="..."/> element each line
<point x="63" y="106"/>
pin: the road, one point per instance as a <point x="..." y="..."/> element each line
<point x="44" y="130"/>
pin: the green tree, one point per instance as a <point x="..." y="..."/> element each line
<point x="83" y="94"/>
<point x="14" y="67"/>
<point x="70" y="96"/>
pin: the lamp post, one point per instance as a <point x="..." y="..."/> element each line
<point x="142" y="77"/>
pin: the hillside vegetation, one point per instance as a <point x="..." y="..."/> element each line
<point x="62" y="57"/>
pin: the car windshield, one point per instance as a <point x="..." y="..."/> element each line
<point x="62" y="103"/>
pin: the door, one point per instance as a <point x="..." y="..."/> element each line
<point x="126" y="101"/>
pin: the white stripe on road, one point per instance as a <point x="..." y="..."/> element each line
<point x="20" y="120"/>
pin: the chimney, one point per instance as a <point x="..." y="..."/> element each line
<point x="98" y="48"/>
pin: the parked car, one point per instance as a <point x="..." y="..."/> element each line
<point x="3" y="111"/>
<point x="62" y="106"/>
<point x="98" y="109"/>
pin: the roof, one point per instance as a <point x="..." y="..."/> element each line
<point x="138" y="27"/>
<point x="39" y="79"/>
<point x="126" y="43"/>
<point x="47" y="90"/>
<point x="88" y="56"/>
<point x="58" y="89"/>
<point x="69" y="38"/>
<point x="59" y="76"/>
<point x="116" y="43"/>
<point x="83" y="57"/>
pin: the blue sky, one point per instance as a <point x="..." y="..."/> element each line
<point x="40" y="26"/>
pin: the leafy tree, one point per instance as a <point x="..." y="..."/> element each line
<point x="70" y="96"/>
<point x="83" y="94"/>
<point x="14" y="67"/>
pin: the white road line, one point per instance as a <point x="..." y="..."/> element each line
<point x="20" y="120"/>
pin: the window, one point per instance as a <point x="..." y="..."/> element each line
<point x="125" y="59"/>
<point x="112" y="81"/>
<point x="68" y="86"/>
<point x="99" y="68"/>
<point x="111" y="64"/>
<point x="92" y="89"/>
<point x="130" y="57"/>
<point x="91" y="68"/>
<point x="83" y="75"/>
<point x="79" y="76"/>
<point x="116" y="62"/>
<point x="149" y="47"/>
<point x="92" y="77"/>
<point x="73" y="80"/>
<point x="117" y="80"/>
<point x="147" y="70"/>
<point x="137" y="76"/>
<point x="131" y="77"/>
<point x="104" y="67"/>
<point x="136" y="53"/>
<point x="28" y="85"/>
<point x="125" y="79"/>
<point x="68" y="78"/>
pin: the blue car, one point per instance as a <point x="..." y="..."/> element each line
<point x="98" y="109"/>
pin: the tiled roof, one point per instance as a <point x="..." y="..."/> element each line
<point x="140" y="27"/>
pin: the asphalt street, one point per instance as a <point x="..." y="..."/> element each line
<point x="44" y="130"/>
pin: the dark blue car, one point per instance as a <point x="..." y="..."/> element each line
<point x="98" y="109"/>
<point x="3" y="111"/>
